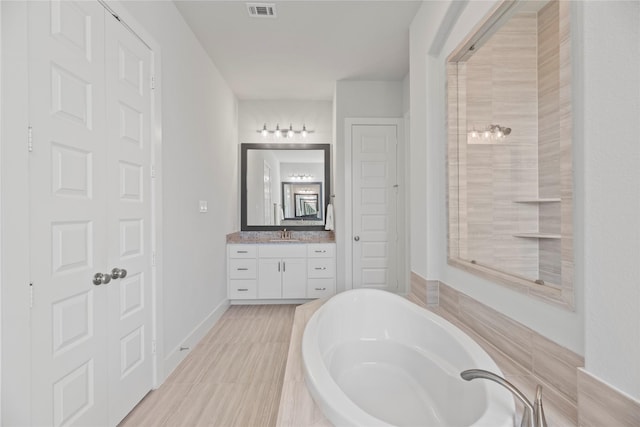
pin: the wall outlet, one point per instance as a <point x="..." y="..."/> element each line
<point x="203" y="206"/>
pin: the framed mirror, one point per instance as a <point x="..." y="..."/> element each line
<point x="509" y="150"/>
<point x="284" y="186"/>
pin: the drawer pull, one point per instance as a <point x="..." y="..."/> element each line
<point x="321" y="268"/>
<point x="321" y="289"/>
<point x="321" y="252"/>
<point x="242" y="269"/>
<point x="242" y="252"/>
<point x="242" y="289"/>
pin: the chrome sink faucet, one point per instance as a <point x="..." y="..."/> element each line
<point x="285" y="235"/>
<point x="533" y="415"/>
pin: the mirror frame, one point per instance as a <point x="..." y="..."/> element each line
<point x="244" y="148"/>
<point x="562" y="294"/>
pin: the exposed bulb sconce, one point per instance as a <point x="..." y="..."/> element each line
<point x="300" y="176"/>
<point x="289" y="133"/>
<point x="491" y="135"/>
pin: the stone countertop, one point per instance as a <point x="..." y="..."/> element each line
<point x="274" y="237"/>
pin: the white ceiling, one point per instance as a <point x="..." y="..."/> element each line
<point x="307" y="48"/>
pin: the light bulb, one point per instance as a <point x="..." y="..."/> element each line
<point x="290" y="132"/>
<point x="278" y="132"/>
<point x="473" y="134"/>
<point x="304" y="131"/>
<point x="264" y="131"/>
<point x="486" y="135"/>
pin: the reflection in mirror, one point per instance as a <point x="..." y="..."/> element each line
<point x="293" y="195"/>
<point x="284" y="185"/>
<point x="510" y="190"/>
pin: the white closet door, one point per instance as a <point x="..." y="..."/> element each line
<point x="129" y="222"/>
<point x="90" y="196"/>
<point x="375" y="194"/>
<point x="67" y="213"/>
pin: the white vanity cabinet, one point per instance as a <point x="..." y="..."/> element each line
<point x="281" y="271"/>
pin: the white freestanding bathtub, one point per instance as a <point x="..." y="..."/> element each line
<point x="372" y="358"/>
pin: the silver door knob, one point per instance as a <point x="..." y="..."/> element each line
<point x="356" y="238"/>
<point x="118" y="273"/>
<point x="101" y="279"/>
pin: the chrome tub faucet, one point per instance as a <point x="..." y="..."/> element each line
<point x="533" y="415"/>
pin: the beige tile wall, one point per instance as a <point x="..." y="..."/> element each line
<point x="600" y="405"/>
<point x="547" y="362"/>
<point x="498" y="83"/>
<point x="500" y="87"/>
<point x="549" y="139"/>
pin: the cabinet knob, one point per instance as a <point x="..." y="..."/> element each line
<point x="356" y="238"/>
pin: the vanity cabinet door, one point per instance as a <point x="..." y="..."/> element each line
<point x="270" y="278"/>
<point x="294" y="278"/>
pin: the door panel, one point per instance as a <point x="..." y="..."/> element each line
<point x="374" y="178"/>
<point x="294" y="278"/>
<point x="128" y="112"/>
<point x="270" y="276"/>
<point x="67" y="215"/>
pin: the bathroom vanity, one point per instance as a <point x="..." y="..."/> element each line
<point x="265" y="267"/>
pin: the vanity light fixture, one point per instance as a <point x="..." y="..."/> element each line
<point x="289" y="133"/>
<point x="490" y="135"/>
<point x="300" y="176"/>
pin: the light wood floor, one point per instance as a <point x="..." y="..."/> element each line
<point x="233" y="377"/>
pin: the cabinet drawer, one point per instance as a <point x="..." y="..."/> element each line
<point x="242" y="269"/>
<point x="321" y="268"/>
<point x="243" y="289"/>
<point x="321" y="288"/>
<point x="321" y="250"/>
<point x="242" y="251"/>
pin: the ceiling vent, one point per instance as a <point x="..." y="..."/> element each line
<point x="262" y="10"/>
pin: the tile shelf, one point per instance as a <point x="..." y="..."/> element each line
<point x="544" y="200"/>
<point x="538" y="235"/>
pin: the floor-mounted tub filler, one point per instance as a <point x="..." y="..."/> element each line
<point x="372" y="358"/>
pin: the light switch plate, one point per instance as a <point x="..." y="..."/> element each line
<point x="203" y="206"/>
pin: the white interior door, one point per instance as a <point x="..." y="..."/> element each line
<point x="67" y="213"/>
<point x="128" y="113"/>
<point x="89" y="213"/>
<point x="374" y="206"/>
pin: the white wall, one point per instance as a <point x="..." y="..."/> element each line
<point x="253" y="114"/>
<point x="428" y="80"/>
<point x="200" y="162"/>
<point x="606" y="67"/>
<point x="357" y="99"/>
<point x="611" y="181"/>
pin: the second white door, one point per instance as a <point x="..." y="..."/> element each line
<point x="374" y="206"/>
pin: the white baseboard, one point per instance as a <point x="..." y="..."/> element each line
<point x="175" y="356"/>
